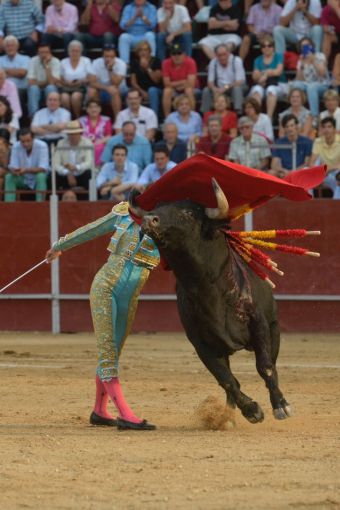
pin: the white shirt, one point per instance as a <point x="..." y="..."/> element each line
<point x="83" y="69"/>
<point x="234" y="71"/>
<point x="145" y="120"/>
<point x="46" y="116"/>
<point x="14" y="124"/>
<point x="176" y="22"/>
<point x="336" y="116"/>
<point x="263" y="126"/>
<point x="101" y="72"/>
<point x="300" y="24"/>
<point x="36" y="70"/>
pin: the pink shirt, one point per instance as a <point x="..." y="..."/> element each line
<point x="65" y="20"/>
<point x="9" y="90"/>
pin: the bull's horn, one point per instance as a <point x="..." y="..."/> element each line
<point x="134" y="208"/>
<point x="221" y="211"/>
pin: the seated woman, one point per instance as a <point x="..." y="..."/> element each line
<point x="4" y="156"/>
<point x="312" y="75"/>
<point x="146" y="75"/>
<point x="188" y="122"/>
<point x="8" y="119"/>
<point x="336" y="73"/>
<point x="96" y="127"/>
<point x="222" y="107"/>
<point x="268" y="76"/>
<point x="262" y="124"/>
<point x="297" y="99"/>
<point x="75" y="75"/>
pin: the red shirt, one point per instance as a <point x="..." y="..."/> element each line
<point x="329" y="17"/>
<point x="101" y="23"/>
<point x="177" y="73"/>
<point x="229" y="121"/>
<point x="217" y="150"/>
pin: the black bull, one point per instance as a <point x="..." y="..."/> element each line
<point x="224" y="306"/>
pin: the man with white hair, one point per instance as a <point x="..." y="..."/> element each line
<point x="15" y="64"/>
<point x="49" y="123"/>
<point x="9" y="90"/>
<point x="249" y="149"/>
<point x="61" y="22"/>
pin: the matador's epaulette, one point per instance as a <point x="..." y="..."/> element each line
<point x="122" y="209"/>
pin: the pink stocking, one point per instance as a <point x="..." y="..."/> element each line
<point x="102" y="399"/>
<point x="113" y="388"/>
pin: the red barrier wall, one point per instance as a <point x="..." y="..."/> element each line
<point x="24" y="238"/>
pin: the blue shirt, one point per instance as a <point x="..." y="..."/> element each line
<point x="139" y="151"/>
<point x="186" y="129"/>
<point x="19" y="20"/>
<point x="18" y="62"/>
<point x="152" y="173"/>
<point x="37" y="158"/>
<point x="303" y="150"/>
<point x="139" y="27"/>
<point x="277" y="59"/>
<point x="109" y="172"/>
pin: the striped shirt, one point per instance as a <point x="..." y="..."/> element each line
<point x="19" y="20"/>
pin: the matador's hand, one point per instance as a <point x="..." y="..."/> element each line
<point x="52" y="255"/>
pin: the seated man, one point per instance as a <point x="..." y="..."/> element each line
<point x="226" y="75"/>
<point x="109" y="79"/>
<point x="295" y="151"/>
<point x="116" y="179"/>
<point x="74" y="158"/>
<point x="330" y="22"/>
<point x="21" y="18"/>
<point x="139" y="20"/>
<point x="102" y="21"/>
<point x="139" y="147"/>
<point x="43" y="75"/>
<point x="154" y="171"/>
<point x="15" y="65"/>
<point x="216" y="143"/>
<point x="28" y="166"/>
<point x="143" y="117"/>
<point x="326" y="149"/>
<point x="61" y="23"/>
<point x="177" y="148"/>
<point x="179" y="77"/>
<point x="249" y="149"/>
<point x="261" y="20"/>
<point x="49" y="123"/>
<point x="223" y="27"/>
<point x="174" y="25"/>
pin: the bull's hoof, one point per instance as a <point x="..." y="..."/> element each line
<point x="281" y="413"/>
<point x="253" y="412"/>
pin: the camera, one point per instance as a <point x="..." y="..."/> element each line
<point x="307" y="49"/>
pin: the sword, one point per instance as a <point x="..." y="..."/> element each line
<point x="22" y="275"/>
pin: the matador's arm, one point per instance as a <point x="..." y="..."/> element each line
<point x="90" y="231"/>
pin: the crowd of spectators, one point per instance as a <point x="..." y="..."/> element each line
<point x="118" y="91"/>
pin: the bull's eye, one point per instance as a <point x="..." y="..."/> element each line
<point x="188" y="214"/>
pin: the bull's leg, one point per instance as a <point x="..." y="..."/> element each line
<point x="219" y="367"/>
<point x="266" y="346"/>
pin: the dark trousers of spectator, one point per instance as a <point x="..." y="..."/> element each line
<point x="91" y="42"/>
<point x="28" y="46"/>
<point x="56" y="41"/>
<point x="82" y="182"/>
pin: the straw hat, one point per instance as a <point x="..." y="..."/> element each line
<point x="73" y="127"/>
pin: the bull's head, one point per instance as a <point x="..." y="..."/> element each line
<point x="170" y="224"/>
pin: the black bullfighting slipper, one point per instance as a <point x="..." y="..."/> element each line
<point x="95" y="419"/>
<point x="130" y="425"/>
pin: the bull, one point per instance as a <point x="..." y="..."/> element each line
<point x="223" y="305"/>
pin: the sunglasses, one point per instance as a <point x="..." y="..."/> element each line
<point x="267" y="45"/>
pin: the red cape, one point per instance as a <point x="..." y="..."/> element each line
<point x="245" y="188"/>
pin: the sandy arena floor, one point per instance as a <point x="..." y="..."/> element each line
<point x="51" y="458"/>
